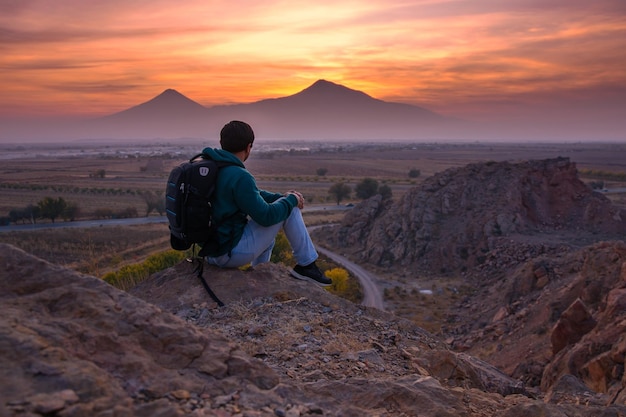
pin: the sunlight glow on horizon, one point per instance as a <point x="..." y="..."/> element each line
<point x="69" y="57"/>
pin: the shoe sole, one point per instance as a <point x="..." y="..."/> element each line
<point x="305" y="278"/>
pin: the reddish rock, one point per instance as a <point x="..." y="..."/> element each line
<point x="446" y="223"/>
<point x="574" y="323"/>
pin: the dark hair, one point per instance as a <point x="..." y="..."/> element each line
<point x="235" y="136"/>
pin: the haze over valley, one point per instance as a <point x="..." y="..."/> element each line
<point x="324" y="111"/>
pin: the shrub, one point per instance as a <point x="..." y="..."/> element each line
<point x="339" y="191"/>
<point x="130" y="275"/>
<point x="321" y="171"/>
<point x="385" y="191"/>
<point x="344" y="285"/>
<point x="282" y="252"/>
<point x="597" y="185"/>
<point x="366" y="188"/>
<point x="414" y="173"/>
<point x="339" y="277"/>
<point x="128" y="212"/>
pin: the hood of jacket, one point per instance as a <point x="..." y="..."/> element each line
<point x="220" y="155"/>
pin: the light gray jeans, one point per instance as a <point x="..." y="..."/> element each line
<point x="257" y="242"/>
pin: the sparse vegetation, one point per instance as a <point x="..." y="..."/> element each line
<point x="99" y="173"/>
<point x="95" y="250"/>
<point x="281" y="253"/>
<point x="121" y="192"/>
<point x="602" y="174"/>
<point x="321" y="171"/>
<point x="339" y="191"/>
<point x="385" y="191"/>
<point x="29" y="214"/>
<point x="155" y="201"/>
<point x="414" y="173"/>
<point x="51" y="208"/>
<point x="367" y="188"/>
<point x="130" y="275"/>
<point x="344" y="285"/>
<point x="596" y="185"/>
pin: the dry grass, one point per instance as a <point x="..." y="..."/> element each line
<point x="94" y="250"/>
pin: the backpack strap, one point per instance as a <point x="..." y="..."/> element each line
<point x="200" y="155"/>
<point x="199" y="273"/>
<point x="220" y="164"/>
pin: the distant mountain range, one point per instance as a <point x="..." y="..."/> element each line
<point x="323" y="111"/>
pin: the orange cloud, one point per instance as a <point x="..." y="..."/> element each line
<point x="459" y="57"/>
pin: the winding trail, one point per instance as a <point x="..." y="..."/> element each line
<point x="372" y="297"/>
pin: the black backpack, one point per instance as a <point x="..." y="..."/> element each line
<point x="189" y="209"/>
<point x="190" y="187"/>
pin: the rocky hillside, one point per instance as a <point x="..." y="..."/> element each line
<point x="551" y="313"/>
<point x="71" y="345"/>
<point x="450" y="221"/>
<point x="543" y="257"/>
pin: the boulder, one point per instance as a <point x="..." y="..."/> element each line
<point x="574" y="323"/>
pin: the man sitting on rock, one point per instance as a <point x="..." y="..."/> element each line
<point x="249" y="219"/>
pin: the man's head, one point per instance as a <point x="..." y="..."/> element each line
<point x="236" y="136"/>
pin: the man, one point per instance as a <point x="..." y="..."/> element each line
<point x="249" y="219"/>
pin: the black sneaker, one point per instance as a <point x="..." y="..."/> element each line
<point x="311" y="273"/>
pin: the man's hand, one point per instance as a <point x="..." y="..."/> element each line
<point x="299" y="196"/>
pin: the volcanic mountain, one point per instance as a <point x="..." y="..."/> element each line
<point x="324" y="111"/>
<point x="168" y="115"/>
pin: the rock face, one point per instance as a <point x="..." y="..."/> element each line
<point x="448" y="222"/>
<point x="573" y="324"/>
<point x="568" y="319"/>
<point x="72" y="345"/>
<point x="542" y="256"/>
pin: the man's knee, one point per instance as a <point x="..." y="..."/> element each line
<point x="295" y="213"/>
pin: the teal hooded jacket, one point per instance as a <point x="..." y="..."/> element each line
<point x="238" y="198"/>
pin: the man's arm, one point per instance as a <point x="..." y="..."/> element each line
<point x="252" y="201"/>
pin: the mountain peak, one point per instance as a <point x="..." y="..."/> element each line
<point x="321" y="83"/>
<point x="172" y="96"/>
<point x="170" y="103"/>
<point x="322" y="86"/>
<point x="170" y="93"/>
<point x="323" y="90"/>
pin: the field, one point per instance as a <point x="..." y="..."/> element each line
<point x="124" y="177"/>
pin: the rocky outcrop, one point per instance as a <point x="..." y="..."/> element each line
<point x="74" y="346"/>
<point x="541" y="257"/>
<point x="575" y="322"/>
<point x="448" y="223"/>
<point x="555" y="315"/>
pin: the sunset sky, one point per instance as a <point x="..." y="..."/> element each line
<point x="476" y="59"/>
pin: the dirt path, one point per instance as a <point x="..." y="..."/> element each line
<point x="372" y="297"/>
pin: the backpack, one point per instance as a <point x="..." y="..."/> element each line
<point x="188" y="206"/>
<point x="189" y="209"/>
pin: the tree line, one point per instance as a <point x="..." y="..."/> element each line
<point x="365" y="189"/>
<point x="54" y="208"/>
<point x="47" y="208"/>
<point x="368" y="187"/>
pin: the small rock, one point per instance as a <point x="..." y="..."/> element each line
<point x="181" y="394"/>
